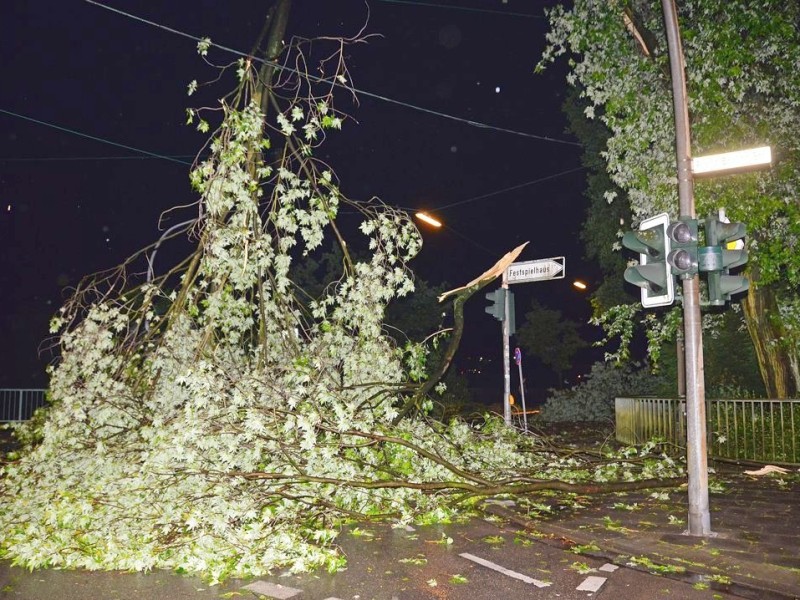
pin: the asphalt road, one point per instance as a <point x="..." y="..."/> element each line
<point x="476" y="561"/>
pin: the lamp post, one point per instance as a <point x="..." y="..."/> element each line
<point x="696" y="451"/>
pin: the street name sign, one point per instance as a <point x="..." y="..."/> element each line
<point x="536" y="270"/>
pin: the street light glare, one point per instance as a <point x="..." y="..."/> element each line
<point x="426" y="218"/>
<point x="728" y="162"/>
<point x="579" y="284"/>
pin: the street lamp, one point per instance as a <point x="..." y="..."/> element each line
<point x="426" y="218"/>
<point x="579" y="284"/>
<point x="732" y="162"/>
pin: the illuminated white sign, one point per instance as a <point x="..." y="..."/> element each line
<point x="536" y="270"/>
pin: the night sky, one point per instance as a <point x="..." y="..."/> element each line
<point x="73" y="205"/>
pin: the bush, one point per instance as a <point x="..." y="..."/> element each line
<point x="593" y="398"/>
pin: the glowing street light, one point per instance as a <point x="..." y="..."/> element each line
<point x="732" y="162"/>
<point x="579" y="284"/>
<point x="426" y="218"/>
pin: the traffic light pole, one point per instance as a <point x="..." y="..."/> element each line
<point x="506" y="352"/>
<point x="696" y="457"/>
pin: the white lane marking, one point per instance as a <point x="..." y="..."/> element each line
<point x="498" y="502"/>
<point x="503" y="570"/>
<point x="608" y="568"/>
<point x="591" y="584"/>
<point x="273" y="590"/>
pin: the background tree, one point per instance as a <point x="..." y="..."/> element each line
<point x="593" y="398"/>
<point x="603" y="220"/>
<point x="744" y="90"/>
<point x="551" y="338"/>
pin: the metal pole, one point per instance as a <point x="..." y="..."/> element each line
<point x="522" y="393"/>
<point x="506" y="360"/>
<point x="697" y="461"/>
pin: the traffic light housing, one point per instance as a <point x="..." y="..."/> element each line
<point x="512" y="312"/>
<point x="682" y="257"/>
<point x="653" y="274"/>
<point x="497" y="308"/>
<point x="724" y="251"/>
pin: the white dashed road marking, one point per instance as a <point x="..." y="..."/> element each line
<point x="272" y="590"/>
<point x="591" y="584"/>
<point x="503" y="570"/>
<point x="507" y="503"/>
<point x="608" y="568"/>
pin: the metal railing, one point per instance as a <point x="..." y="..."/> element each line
<point x="19" y="404"/>
<point x="758" y="430"/>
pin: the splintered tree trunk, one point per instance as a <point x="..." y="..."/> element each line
<point x="765" y="328"/>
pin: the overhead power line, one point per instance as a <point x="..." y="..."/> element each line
<point x="95" y="138"/>
<point x="333" y="81"/>
<point x="87" y="158"/>
<point x="509" y="189"/>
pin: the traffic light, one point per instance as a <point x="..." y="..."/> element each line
<point x="512" y="311"/>
<point x="653" y="273"/>
<point x="498" y="307"/>
<point x="724" y="251"/>
<point x="682" y="257"/>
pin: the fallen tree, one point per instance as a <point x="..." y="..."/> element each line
<point x="217" y="420"/>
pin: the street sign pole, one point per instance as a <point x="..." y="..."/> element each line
<point x="696" y="458"/>
<point x="518" y="360"/>
<point x="506" y="349"/>
<point x="542" y="269"/>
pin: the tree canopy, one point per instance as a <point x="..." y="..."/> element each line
<point x="744" y="90"/>
<point x="551" y="338"/>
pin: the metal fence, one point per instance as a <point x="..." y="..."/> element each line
<point x="19" y="404"/>
<point x="758" y="430"/>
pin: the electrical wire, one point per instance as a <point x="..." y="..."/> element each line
<point x="508" y="189"/>
<point x="79" y="158"/>
<point x="95" y="138"/>
<point x="333" y="82"/>
<point x="177" y="158"/>
<point x="493" y="253"/>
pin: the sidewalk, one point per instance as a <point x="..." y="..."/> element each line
<point x="754" y="551"/>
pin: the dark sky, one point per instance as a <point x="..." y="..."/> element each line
<point x="73" y="205"/>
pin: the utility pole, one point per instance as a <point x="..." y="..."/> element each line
<point x="696" y="452"/>
<point x="506" y="351"/>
